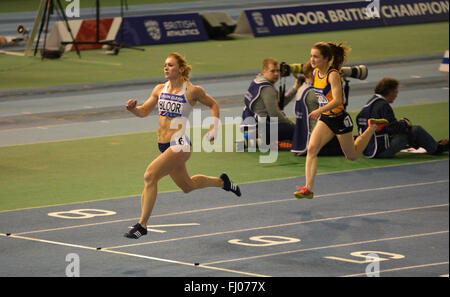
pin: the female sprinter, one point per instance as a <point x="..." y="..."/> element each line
<point x="327" y="60"/>
<point x="175" y="100"/>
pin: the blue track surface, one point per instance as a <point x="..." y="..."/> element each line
<point x="399" y="213"/>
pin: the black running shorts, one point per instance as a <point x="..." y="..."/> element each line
<point x="340" y="123"/>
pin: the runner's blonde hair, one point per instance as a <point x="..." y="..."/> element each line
<point x="182" y="63"/>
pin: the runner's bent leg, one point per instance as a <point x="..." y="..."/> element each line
<point x="186" y="183"/>
<point x="320" y="136"/>
<point x="157" y="169"/>
<point x="353" y="149"/>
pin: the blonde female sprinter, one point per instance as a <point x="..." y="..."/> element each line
<point x="327" y="60"/>
<point x="175" y="100"/>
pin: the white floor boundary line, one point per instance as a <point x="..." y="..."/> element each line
<point x="184" y="263"/>
<point x="281" y="225"/>
<point x="208" y="265"/>
<point x="105" y="250"/>
<point x="233" y="206"/>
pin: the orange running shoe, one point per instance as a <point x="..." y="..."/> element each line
<point x="284" y="145"/>
<point x="380" y="123"/>
<point x="303" y="193"/>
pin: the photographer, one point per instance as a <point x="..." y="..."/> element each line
<point x="262" y="99"/>
<point x="398" y="134"/>
<point x="305" y="102"/>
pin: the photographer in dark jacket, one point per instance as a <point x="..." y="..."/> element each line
<point x="397" y="134"/>
<point x="262" y="99"/>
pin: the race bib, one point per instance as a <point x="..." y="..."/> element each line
<point x="171" y="105"/>
<point x="180" y="143"/>
<point x="322" y="100"/>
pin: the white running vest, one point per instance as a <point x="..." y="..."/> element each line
<point x="174" y="105"/>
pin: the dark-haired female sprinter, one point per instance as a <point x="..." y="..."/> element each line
<point x="327" y="60"/>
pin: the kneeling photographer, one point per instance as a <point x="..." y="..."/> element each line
<point x="262" y="99"/>
<point x="397" y="134"/>
<point x="306" y="101"/>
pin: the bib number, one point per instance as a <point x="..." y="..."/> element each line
<point x="322" y="100"/>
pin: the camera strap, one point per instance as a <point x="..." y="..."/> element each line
<point x="346" y="92"/>
<point x="281" y="93"/>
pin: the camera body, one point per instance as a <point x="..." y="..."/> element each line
<point x="357" y="72"/>
<point x="22" y="30"/>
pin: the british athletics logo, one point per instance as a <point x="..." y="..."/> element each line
<point x="158" y="29"/>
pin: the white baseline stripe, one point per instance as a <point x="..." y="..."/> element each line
<point x="131" y="255"/>
<point x="53" y="242"/>
<point x="183" y="263"/>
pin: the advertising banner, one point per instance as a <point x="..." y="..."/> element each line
<point x="158" y="29"/>
<point x="340" y="16"/>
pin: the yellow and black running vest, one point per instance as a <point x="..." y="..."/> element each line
<point x="322" y="87"/>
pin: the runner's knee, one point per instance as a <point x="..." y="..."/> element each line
<point x="186" y="189"/>
<point x="189" y="185"/>
<point x="313" y="149"/>
<point x="149" y="176"/>
<point x="351" y="156"/>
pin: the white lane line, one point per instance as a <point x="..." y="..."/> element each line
<point x="282" y="225"/>
<point x="236" y="205"/>
<point x="243" y="183"/>
<point x="328" y="247"/>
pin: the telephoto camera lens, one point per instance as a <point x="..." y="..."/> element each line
<point x="296" y="68"/>
<point x="288" y="69"/>
<point x="358" y="72"/>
